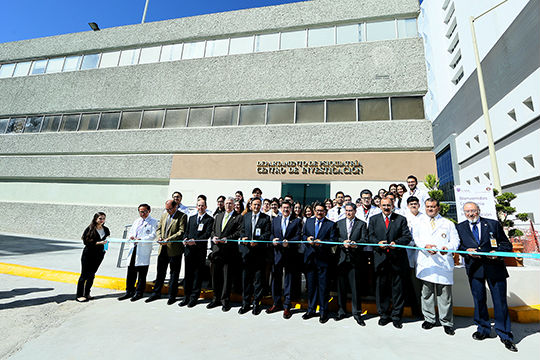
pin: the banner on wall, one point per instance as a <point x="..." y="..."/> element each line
<point x="480" y="194"/>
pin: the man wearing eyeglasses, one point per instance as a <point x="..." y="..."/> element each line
<point x="486" y="235"/>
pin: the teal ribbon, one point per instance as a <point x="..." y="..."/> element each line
<point x="462" y="252"/>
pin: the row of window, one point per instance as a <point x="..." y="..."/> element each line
<point x="299" y="112"/>
<point x="343" y="34"/>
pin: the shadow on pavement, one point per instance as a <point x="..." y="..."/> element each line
<point x="38" y="301"/>
<point x="20" y="245"/>
<point x="520" y="331"/>
<point x="22" y="291"/>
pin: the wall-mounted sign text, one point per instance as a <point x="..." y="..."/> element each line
<point x="353" y="167"/>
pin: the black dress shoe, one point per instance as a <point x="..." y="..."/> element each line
<point x="509" y="344"/>
<point x="449" y="330"/>
<point x="136" y="297"/>
<point x="360" y="321"/>
<point x="256" y="309"/>
<point x="226" y="306"/>
<point x="152" y="298"/>
<point x="397" y="324"/>
<point x="171" y="301"/>
<point x="192" y="303"/>
<point x="323" y="318"/>
<point x="287" y="314"/>
<point x="183" y="302"/>
<point x="273" y="309"/>
<point x="478" y="335"/>
<point x="426" y="325"/>
<point x="384" y="321"/>
<point x="308" y="315"/>
<point x="213" y="304"/>
<point x="340" y="316"/>
<point x="244" y="309"/>
<point x="125" y="296"/>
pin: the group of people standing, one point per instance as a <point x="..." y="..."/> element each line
<point x="316" y="239"/>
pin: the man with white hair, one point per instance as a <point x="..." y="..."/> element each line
<point x="486" y="235"/>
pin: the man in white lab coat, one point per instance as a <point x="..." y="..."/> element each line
<point x="141" y="235"/>
<point x="436" y="267"/>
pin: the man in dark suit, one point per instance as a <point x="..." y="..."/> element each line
<point x="317" y="258"/>
<point x="256" y="226"/>
<point x="227" y="225"/>
<point x="387" y="229"/>
<point x="170" y="233"/>
<point x="486" y="235"/>
<point x="350" y="231"/>
<point x="286" y="232"/>
<point x="199" y="228"/>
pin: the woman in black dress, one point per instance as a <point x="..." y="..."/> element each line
<point x="94" y="240"/>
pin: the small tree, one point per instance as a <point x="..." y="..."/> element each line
<point x="504" y="209"/>
<point x="432" y="184"/>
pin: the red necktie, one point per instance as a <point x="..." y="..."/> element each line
<point x="386" y="222"/>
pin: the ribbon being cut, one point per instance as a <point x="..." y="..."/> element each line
<point x="461" y="252"/>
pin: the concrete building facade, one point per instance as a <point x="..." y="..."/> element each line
<point x="320" y="93"/>
<point x="509" y="49"/>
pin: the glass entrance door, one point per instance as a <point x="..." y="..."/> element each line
<point x="306" y="193"/>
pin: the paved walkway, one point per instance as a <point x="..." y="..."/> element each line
<point x="40" y="320"/>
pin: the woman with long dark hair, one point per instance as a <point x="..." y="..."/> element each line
<point x="308" y="212"/>
<point x="400" y="190"/>
<point x="94" y="250"/>
<point x="297" y="210"/>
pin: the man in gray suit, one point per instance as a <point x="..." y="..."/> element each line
<point x="351" y="230"/>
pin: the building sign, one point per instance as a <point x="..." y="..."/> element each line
<point x="479" y="194"/>
<point x="311" y="167"/>
<point x="304" y="166"/>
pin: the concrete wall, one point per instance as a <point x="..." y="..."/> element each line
<point x="361" y="136"/>
<point x="144" y="168"/>
<point x="363" y="69"/>
<point x="64" y="221"/>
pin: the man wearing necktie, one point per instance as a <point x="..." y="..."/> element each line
<point x="486" y="235"/>
<point x="170" y="233"/>
<point x="143" y="230"/>
<point x="285" y="234"/>
<point x="317" y="258"/>
<point x="255" y="226"/>
<point x="350" y="231"/>
<point x="387" y="229"/>
<point x="199" y="230"/>
<point x="337" y="212"/>
<point x="436" y="268"/>
<point x="227" y="225"/>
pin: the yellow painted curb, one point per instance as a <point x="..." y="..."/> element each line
<point x="525" y="314"/>
<point x="520" y="314"/>
<point x="69" y="277"/>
